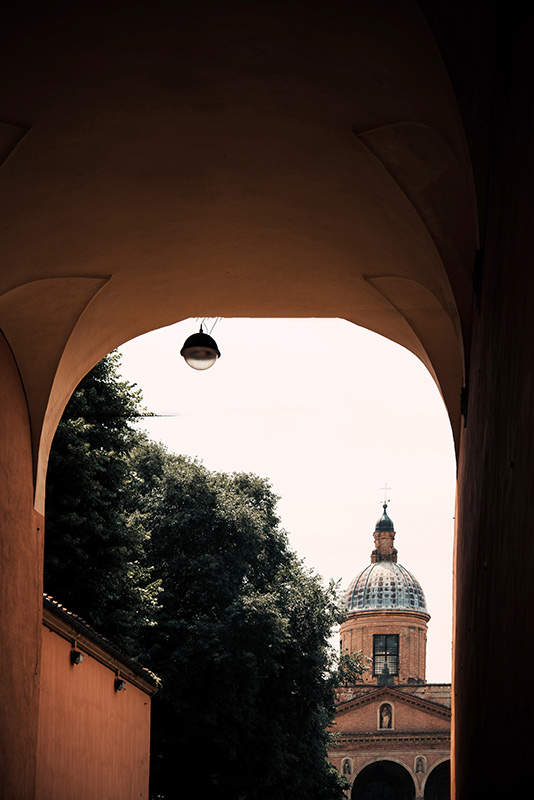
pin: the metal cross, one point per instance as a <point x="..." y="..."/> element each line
<point x="385" y="489"/>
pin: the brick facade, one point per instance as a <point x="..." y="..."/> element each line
<point x="391" y="736"/>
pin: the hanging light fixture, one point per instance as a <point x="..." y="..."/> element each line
<point x="200" y="350"/>
<point x="76" y="656"/>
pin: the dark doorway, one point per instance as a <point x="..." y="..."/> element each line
<point x="383" y="780"/>
<point x="438" y="785"/>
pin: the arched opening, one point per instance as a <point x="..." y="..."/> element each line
<point x="438" y="784"/>
<point x="383" y="780"/>
<point x="384" y="374"/>
<point x="327" y="428"/>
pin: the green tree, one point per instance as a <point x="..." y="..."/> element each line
<point x="190" y="570"/>
<point x="350" y="668"/>
<point x="93" y="553"/>
<point x="241" y="640"/>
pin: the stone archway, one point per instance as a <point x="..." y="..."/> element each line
<point x="383" y="780"/>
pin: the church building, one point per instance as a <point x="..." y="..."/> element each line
<point x="392" y="729"/>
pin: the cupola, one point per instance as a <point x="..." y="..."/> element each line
<point x="387" y="613"/>
<point x="384" y="537"/>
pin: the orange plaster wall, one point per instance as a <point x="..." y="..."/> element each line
<point x="21" y="548"/>
<point x="93" y="742"/>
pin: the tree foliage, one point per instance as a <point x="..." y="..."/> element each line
<point x="190" y="570"/>
<point x="94" y="557"/>
<point x="350" y="668"/>
<point x="241" y="640"/>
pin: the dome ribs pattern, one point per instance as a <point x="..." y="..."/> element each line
<point x="386" y="585"/>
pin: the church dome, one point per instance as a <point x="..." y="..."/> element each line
<point x="385" y="585"/>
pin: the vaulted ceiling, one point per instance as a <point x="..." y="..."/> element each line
<point x="263" y="159"/>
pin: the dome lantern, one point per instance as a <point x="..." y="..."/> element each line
<point x="384" y="537"/>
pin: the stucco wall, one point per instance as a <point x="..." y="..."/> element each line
<point x="93" y="741"/>
<point x="21" y="536"/>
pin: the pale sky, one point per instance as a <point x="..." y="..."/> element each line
<point x="329" y="413"/>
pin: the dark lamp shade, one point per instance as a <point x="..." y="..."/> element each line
<point x="200" y="351"/>
<point x="76" y="656"/>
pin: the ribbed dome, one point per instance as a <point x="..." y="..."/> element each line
<point x="385" y="585"/>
